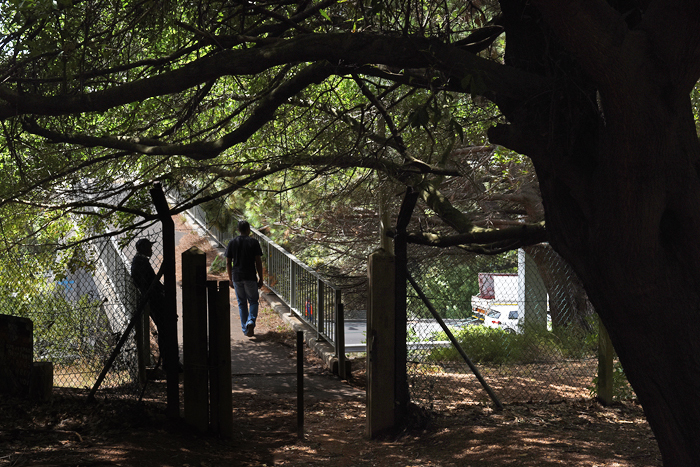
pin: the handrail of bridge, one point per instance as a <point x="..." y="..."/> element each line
<point x="311" y="298"/>
<point x="115" y="272"/>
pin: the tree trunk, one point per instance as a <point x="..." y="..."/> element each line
<point x="633" y="240"/>
<point x="638" y="258"/>
<point x="616" y="152"/>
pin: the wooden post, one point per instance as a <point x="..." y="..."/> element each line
<point x="42" y="381"/>
<point x="169" y="338"/>
<point x="16" y="354"/>
<point x="605" y="366"/>
<point x="221" y="410"/>
<point x="194" y="338"/>
<point x="381" y="368"/>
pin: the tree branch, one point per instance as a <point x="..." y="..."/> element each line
<point x="526" y="234"/>
<point x="444" y="209"/>
<point x="344" y="48"/>
<point x="200" y="150"/>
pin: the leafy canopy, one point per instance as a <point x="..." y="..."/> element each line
<point x="285" y="110"/>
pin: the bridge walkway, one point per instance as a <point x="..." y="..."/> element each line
<point x="262" y="365"/>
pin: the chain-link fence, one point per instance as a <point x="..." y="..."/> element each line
<point x="309" y="295"/>
<point x="522" y="318"/>
<point x="80" y="302"/>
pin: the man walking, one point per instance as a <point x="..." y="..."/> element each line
<point x="243" y="261"/>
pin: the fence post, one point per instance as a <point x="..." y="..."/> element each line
<point x="605" y="366"/>
<point x="320" y="306"/>
<point x="194" y="338"/>
<point x="340" y="336"/>
<point x="381" y="336"/>
<point x="221" y="409"/>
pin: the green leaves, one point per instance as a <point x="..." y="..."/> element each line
<point x="324" y="146"/>
<point x="419" y="117"/>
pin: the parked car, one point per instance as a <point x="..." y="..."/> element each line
<point x="502" y="316"/>
<point x="507" y="318"/>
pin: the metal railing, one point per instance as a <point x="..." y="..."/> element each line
<point x="311" y="298"/>
<point x="304" y="291"/>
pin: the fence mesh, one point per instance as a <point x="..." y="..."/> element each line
<point x="522" y="318"/>
<point x="80" y="302"/>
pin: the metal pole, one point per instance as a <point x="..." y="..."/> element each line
<point x="300" y="384"/>
<point x="340" y="335"/>
<point x="454" y="341"/>
<point x="122" y="340"/>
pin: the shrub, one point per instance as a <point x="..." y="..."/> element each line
<point x="621" y="387"/>
<point x="500" y="347"/>
<point x="481" y="344"/>
<point x="218" y="266"/>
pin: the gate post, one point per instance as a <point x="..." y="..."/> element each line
<point x="194" y="338"/>
<point x="605" y="366"/>
<point x="221" y="411"/>
<point x="381" y="337"/>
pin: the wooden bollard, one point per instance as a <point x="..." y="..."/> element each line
<point x="41" y="385"/>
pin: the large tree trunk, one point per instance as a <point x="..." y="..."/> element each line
<point x="618" y="160"/>
<point x="638" y="257"/>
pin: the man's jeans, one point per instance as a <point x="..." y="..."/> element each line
<point x="247" y="294"/>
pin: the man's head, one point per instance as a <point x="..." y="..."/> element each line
<point x="244" y="227"/>
<point x="143" y="246"/>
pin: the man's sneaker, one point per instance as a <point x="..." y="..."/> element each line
<point x="250" y="329"/>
